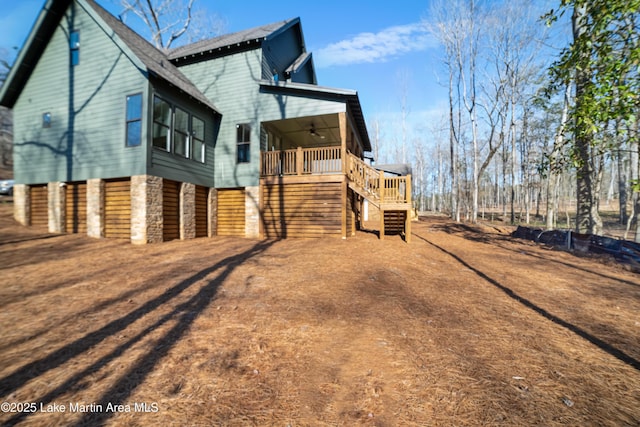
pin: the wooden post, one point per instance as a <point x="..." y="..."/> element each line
<point x="407" y="221"/>
<point x="381" y="196"/>
<point x="261" y="193"/>
<point x="342" y="123"/>
<point x="352" y="209"/>
<point x="343" y="211"/>
<point x="407" y="227"/>
<point x="299" y="161"/>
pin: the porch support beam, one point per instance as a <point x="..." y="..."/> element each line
<point x="407" y="223"/>
<point x="342" y="123"/>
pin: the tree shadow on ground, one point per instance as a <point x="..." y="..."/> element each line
<point x="184" y="314"/>
<point x="613" y="351"/>
<point x="476" y="234"/>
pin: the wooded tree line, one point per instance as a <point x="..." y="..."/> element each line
<point x="6" y="120"/>
<point x="533" y="131"/>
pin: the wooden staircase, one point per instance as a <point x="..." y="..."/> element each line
<point x="390" y="194"/>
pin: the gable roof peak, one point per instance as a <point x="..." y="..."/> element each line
<point x="255" y="36"/>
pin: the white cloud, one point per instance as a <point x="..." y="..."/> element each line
<point x="376" y="47"/>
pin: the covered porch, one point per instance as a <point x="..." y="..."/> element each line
<point x="313" y="178"/>
<point x="311" y="145"/>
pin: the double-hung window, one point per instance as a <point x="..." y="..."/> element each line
<point x="177" y="131"/>
<point x="243" y="139"/>
<point x="161" y="124"/>
<point x="197" y="132"/>
<point x="181" y="133"/>
<point x="134" y="120"/>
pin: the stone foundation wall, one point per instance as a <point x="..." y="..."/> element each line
<point x="212" y="221"/>
<point x="57" y="207"/>
<point x="95" y="208"/>
<point x="146" y="209"/>
<point x="22" y="204"/>
<point x="187" y="211"/>
<point x="252" y="212"/>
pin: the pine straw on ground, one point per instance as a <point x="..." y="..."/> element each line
<point x="464" y="326"/>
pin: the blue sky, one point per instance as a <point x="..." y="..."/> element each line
<point x="362" y="45"/>
<point x="379" y="48"/>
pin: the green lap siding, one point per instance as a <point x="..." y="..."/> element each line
<point x="232" y="83"/>
<point x="89" y="97"/>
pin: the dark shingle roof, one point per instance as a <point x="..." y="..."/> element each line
<point x="400" y="169"/>
<point x="155" y="60"/>
<point x="30" y="53"/>
<point x="256" y="34"/>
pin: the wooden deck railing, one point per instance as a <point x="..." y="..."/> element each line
<point x="376" y="186"/>
<point x="396" y="189"/>
<point x="363" y="175"/>
<point x="301" y="161"/>
<point x="372" y="183"/>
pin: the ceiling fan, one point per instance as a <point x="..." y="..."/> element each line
<point x="314" y="133"/>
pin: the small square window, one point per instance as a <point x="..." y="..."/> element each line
<point x="74" y="45"/>
<point x="74" y="40"/>
<point x="46" y="120"/>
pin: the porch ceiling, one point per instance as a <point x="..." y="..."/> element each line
<point x="326" y="130"/>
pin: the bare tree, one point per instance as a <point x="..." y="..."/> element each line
<point x="6" y="117"/>
<point x="554" y="177"/>
<point x="403" y="79"/>
<point x="170" y="20"/>
<point x="374" y="128"/>
<point x="448" y="26"/>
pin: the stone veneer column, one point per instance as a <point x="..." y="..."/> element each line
<point x="22" y="204"/>
<point x="252" y="212"/>
<point x="146" y="209"/>
<point x="56" y="206"/>
<point x="212" y="221"/>
<point x="187" y="211"/>
<point x="95" y="208"/>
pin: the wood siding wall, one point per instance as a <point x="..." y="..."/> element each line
<point x="201" y="211"/>
<point x="394" y="222"/>
<point x="117" y="208"/>
<point x="170" y="210"/>
<point x="39" y="195"/>
<point x="231" y="212"/>
<point x="302" y="209"/>
<point x="76" y="207"/>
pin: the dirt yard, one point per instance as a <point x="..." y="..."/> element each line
<point x="463" y="327"/>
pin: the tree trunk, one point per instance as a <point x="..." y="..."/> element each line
<point x="512" y="136"/>
<point x="622" y="188"/>
<point x="585" y="183"/>
<point x="453" y="151"/>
